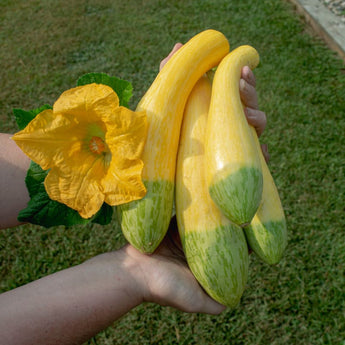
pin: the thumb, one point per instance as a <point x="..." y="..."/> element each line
<point x="173" y="51"/>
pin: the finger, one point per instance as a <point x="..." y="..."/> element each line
<point x="199" y="301"/>
<point x="248" y="94"/>
<point x="177" y="46"/>
<point x="248" y="75"/>
<point x="256" y="118"/>
<point x="187" y="295"/>
<point x="264" y="150"/>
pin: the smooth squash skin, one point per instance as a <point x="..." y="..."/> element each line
<point x="233" y="170"/>
<point x="145" y="222"/>
<point x="267" y="232"/>
<point x="215" y="248"/>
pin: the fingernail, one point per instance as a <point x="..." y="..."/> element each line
<point x="242" y="84"/>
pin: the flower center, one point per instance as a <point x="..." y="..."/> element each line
<point x="97" y="145"/>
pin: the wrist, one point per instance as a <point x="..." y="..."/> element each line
<point x="136" y="265"/>
<point x="159" y="276"/>
<point x="119" y="272"/>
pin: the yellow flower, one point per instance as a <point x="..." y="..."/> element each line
<point x="92" y="147"/>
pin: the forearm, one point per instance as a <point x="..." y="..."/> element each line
<point x="70" y="306"/>
<point x="14" y="195"/>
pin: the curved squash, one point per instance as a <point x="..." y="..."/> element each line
<point x="215" y="249"/>
<point x="145" y="222"/>
<point x="233" y="169"/>
<point x="267" y="233"/>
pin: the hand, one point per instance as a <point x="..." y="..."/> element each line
<point x="249" y="97"/>
<point x="177" y="46"/>
<point x="164" y="277"/>
<point x="255" y="117"/>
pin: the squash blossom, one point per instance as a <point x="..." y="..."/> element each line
<point x="91" y="146"/>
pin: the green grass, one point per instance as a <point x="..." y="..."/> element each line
<point x="47" y="45"/>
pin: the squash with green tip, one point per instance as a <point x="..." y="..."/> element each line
<point x="145" y="222"/>
<point x="267" y="232"/>
<point x="215" y="248"/>
<point x="233" y="170"/>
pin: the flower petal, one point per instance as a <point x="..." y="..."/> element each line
<point x="78" y="185"/>
<point x="125" y="137"/>
<point x="88" y="103"/>
<point x="122" y="186"/>
<point x="48" y="136"/>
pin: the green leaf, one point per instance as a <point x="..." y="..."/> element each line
<point x="35" y="179"/>
<point x="23" y="117"/>
<point x="104" y="215"/>
<point x="41" y="210"/>
<point x="123" y="88"/>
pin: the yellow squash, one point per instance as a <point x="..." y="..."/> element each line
<point x="215" y="248"/>
<point x="233" y="170"/>
<point x="267" y="232"/>
<point x="145" y="222"/>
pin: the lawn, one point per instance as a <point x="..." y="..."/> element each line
<point x="47" y="45"/>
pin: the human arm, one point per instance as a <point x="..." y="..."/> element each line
<point x="72" y="305"/>
<point x="14" y="195"/>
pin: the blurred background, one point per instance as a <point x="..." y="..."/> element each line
<point x="46" y="45"/>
